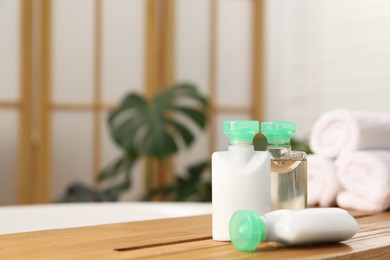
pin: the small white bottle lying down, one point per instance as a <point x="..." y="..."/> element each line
<point x="291" y="227"/>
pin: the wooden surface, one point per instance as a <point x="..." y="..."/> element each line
<point x="184" y="238"/>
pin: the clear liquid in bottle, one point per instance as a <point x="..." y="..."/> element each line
<point x="288" y="167"/>
<point x="288" y="184"/>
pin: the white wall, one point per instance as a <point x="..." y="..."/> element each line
<point x="9" y="50"/>
<point x="326" y="54"/>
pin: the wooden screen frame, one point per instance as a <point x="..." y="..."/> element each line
<point x="34" y="178"/>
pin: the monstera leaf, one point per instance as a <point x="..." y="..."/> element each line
<point x="156" y="127"/>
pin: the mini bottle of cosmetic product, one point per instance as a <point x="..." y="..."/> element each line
<point x="240" y="177"/>
<point x="291" y="227"/>
<point x="288" y="168"/>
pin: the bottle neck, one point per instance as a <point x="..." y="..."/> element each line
<point x="241" y="146"/>
<point x="279" y="150"/>
<point x="235" y="142"/>
<point x="266" y="229"/>
<point x="241" y="153"/>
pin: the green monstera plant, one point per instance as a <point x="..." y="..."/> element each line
<point x="153" y="128"/>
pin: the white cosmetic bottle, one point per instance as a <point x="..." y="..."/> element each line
<point x="291" y="227"/>
<point x="240" y="177"/>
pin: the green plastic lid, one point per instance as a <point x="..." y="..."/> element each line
<point x="278" y="132"/>
<point x="241" y="131"/>
<point x="247" y="230"/>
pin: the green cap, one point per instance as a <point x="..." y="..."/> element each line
<point x="241" y="131"/>
<point x="247" y="230"/>
<point x="278" y="132"/>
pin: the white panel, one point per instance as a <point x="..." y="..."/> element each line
<point x="72" y="150"/>
<point x="136" y="191"/>
<point x="222" y="141"/>
<point x="110" y="152"/>
<point x="73" y="50"/>
<point x="8" y="156"/>
<point x="234" y="53"/>
<point x="273" y="84"/>
<point x="323" y="55"/>
<point x="192" y="42"/>
<point x="9" y="49"/>
<point x="123" y="32"/>
<point x="293" y="68"/>
<point x="356" y="54"/>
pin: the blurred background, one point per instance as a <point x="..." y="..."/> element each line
<point x="66" y="64"/>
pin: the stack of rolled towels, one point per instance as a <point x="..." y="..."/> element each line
<point x="350" y="166"/>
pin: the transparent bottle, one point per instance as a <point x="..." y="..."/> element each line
<point x="288" y="168"/>
<point x="291" y="227"/>
<point x="240" y="177"/>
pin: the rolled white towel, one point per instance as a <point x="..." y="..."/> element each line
<point x="365" y="176"/>
<point x="341" y="131"/>
<point x="323" y="184"/>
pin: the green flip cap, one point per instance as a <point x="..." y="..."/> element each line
<point x="247" y="230"/>
<point x="241" y="131"/>
<point x="278" y="132"/>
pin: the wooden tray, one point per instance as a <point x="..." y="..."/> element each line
<point x="184" y="238"/>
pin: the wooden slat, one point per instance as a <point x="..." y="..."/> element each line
<point x="159" y="72"/>
<point x="165" y="43"/>
<point x="150" y="48"/>
<point x="97" y="98"/>
<point x="213" y="74"/>
<point x="103" y="241"/>
<point x="150" y="73"/>
<point x="258" y="74"/>
<point x="34" y="176"/>
<point x="25" y="189"/>
<point x="81" y="107"/>
<point x="43" y="174"/>
<point x="233" y="110"/>
<point x="166" y="73"/>
<point x="10" y="104"/>
<point x="183" y="238"/>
